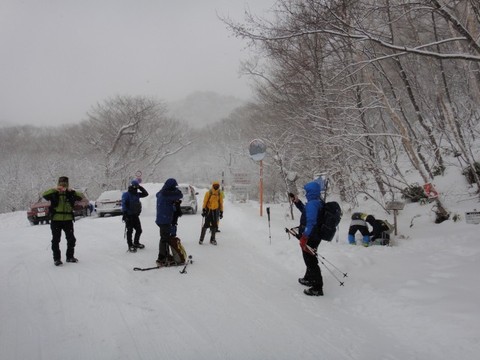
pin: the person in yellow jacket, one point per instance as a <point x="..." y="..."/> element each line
<point x="212" y="211"/>
<point x="62" y="201"/>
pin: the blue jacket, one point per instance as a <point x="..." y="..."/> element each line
<point x="303" y="220"/>
<point x="131" y="204"/>
<point x="166" y="198"/>
<point x="313" y="206"/>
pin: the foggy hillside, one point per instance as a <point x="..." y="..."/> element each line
<point x="204" y="107"/>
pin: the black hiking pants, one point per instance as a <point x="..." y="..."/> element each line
<point x="313" y="273"/>
<point x="67" y="227"/>
<point x="211" y="220"/>
<point x="133" y="223"/>
<point x="165" y="234"/>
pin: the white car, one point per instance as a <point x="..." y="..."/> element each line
<point x="109" y="202"/>
<point x="189" y="201"/>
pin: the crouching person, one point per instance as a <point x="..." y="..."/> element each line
<point x="358" y="223"/>
<point x="380" y="230"/>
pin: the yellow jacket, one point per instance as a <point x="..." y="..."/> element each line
<point x="213" y="199"/>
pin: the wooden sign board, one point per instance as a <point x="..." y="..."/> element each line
<point x="395" y="205"/>
<point x="472" y="217"/>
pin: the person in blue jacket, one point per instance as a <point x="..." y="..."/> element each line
<point x="131" y="209"/>
<point x="310" y="240"/>
<point x="167" y="197"/>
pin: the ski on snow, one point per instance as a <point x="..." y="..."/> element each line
<point x="183" y="271"/>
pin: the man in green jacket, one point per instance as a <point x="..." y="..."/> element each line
<point x="62" y="200"/>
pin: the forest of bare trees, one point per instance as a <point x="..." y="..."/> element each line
<point x="362" y="90"/>
<point x="121" y="135"/>
<point x="351" y="86"/>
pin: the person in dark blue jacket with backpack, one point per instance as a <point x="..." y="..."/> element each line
<point x="167" y="198"/>
<point x="310" y="239"/>
<point x="131" y="209"/>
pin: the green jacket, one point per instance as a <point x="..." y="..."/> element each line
<point x="62" y="203"/>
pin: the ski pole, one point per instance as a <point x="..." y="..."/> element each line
<point x="292" y="231"/>
<point x="336" y="268"/>
<point x="269" y="231"/>
<point x="331" y="272"/>
<point x="314" y="252"/>
<point x="189" y="261"/>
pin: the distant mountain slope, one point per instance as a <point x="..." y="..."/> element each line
<point x="204" y="107"/>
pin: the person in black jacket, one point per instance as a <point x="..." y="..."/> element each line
<point x="380" y="230"/>
<point x="168" y="195"/>
<point x="131" y="209"/>
<point x="62" y="202"/>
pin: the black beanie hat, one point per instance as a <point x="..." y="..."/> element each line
<point x="63" y="179"/>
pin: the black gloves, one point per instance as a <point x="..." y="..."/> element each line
<point x="221" y="214"/>
<point x="204" y="212"/>
<point x="124" y="217"/>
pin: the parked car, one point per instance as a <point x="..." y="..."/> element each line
<point x="109" y="202"/>
<point x="189" y="201"/>
<point x="39" y="212"/>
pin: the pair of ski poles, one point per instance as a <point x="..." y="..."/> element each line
<point x="320" y="258"/>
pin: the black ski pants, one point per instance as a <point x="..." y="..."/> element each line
<point x="313" y="272"/>
<point x="211" y="220"/>
<point x="133" y="223"/>
<point x="165" y="233"/>
<point x="67" y="227"/>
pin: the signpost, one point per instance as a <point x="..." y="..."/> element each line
<point x="138" y="176"/>
<point x="257" y="150"/>
<point x="472" y="217"/>
<point x="395" y="206"/>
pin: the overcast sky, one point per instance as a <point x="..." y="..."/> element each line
<point x="58" y="58"/>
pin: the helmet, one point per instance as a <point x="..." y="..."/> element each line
<point x="135" y="183"/>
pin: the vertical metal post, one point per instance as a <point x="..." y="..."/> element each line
<point x="261" y="187"/>
<point x="395" y="220"/>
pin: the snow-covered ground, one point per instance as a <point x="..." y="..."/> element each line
<point x="418" y="299"/>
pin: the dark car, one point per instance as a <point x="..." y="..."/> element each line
<point x="39" y="212"/>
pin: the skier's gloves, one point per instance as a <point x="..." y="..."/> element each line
<point x="303" y="242"/>
<point x="124" y="217"/>
<point x="204" y="212"/>
<point x="221" y="214"/>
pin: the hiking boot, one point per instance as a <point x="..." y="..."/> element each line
<point x="132" y="248"/>
<point x="200" y="242"/>
<point x="213" y="241"/>
<point x="138" y="245"/>
<point x="72" y="260"/>
<point x="313" y="292"/>
<point x="305" y="282"/>
<point x="57" y="262"/>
